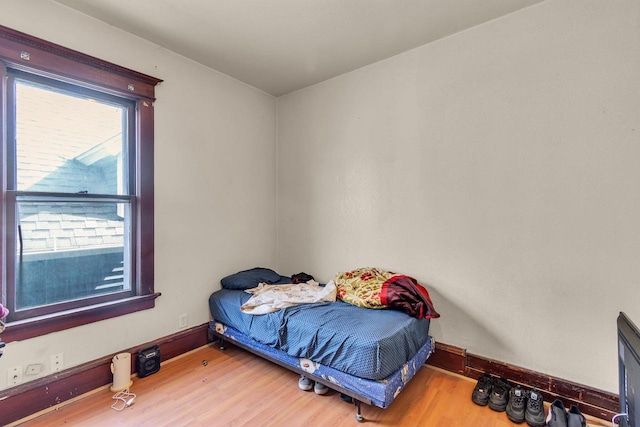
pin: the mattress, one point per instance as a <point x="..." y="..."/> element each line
<point x="366" y="343"/>
<point x="380" y="393"/>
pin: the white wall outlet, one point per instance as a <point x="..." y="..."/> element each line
<point x="14" y="375"/>
<point x="183" y="321"/>
<point x="57" y="363"/>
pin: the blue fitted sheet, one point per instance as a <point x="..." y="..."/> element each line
<point x="366" y="343"/>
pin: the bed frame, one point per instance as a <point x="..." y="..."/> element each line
<point x="353" y="387"/>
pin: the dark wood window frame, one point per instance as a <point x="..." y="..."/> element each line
<point x="25" y="53"/>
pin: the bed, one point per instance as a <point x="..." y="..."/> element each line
<point x="366" y="355"/>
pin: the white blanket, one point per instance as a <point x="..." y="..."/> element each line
<point x="270" y="298"/>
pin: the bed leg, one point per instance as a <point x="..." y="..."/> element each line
<point x="359" y="417"/>
<point x="221" y="341"/>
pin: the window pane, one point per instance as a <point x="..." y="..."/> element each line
<point x="70" y="250"/>
<point x="68" y="143"/>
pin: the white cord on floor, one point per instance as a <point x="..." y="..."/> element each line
<point x="123" y="399"/>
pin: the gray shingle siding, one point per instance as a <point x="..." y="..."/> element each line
<point x="49" y="146"/>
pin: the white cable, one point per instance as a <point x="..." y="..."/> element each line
<point x="616" y="416"/>
<point x="123" y="399"/>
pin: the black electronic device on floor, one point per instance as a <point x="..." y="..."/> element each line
<point x="148" y="361"/>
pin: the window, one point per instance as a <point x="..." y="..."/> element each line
<point x="77" y="182"/>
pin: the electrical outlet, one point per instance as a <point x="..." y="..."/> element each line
<point x="14" y="375"/>
<point x="57" y="362"/>
<point x="183" y="321"/>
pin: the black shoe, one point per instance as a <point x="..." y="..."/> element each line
<point x="346" y="398"/>
<point x="534" y="415"/>
<point x="500" y="395"/>
<point x="575" y="417"/>
<point x="482" y="390"/>
<point x="517" y="404"/>
<point x="557" y="414"/>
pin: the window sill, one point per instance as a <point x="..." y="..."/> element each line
<point x="30" y="328"/>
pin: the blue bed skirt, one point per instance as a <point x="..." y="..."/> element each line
<point x="376" y="392"/>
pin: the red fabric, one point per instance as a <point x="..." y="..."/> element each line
<point x="404" y="293"/>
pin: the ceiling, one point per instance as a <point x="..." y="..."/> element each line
<point x="280" y="46"/>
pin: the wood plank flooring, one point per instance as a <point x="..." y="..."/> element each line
<point x="209" y="387"/>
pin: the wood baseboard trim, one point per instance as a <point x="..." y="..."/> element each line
<point x="449" y="358"/>
<point x="591" y="401"/>
<point x="23" y="400"/>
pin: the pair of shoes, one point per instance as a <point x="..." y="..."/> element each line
<point x="491" y="391"/>
<point x="526" y="406"/>
<point x="306" y="384"/>
<point x="521" y="405"/>
<point x="559" y="417"/>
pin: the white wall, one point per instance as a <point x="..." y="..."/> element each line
<point x="499" y="167"/>
<point x="214" y="183"/>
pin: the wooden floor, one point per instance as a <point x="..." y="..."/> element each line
<point x="209" y="387"/>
